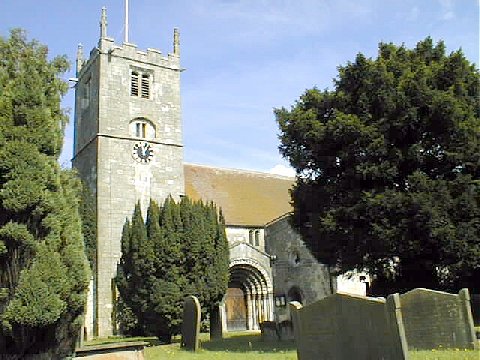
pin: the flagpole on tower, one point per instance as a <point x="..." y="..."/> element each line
<point x="126" y="22"/>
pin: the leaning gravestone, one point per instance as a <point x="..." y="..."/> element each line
<point x="191" y="323"/>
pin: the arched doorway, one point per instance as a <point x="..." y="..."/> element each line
<point x="236" y="308"/>
<point x="294" y="294"/>
<point x="249" y="299"/>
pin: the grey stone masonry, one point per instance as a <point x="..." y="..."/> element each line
<point x="295" y="270"/>
<point x="125" y="98"/>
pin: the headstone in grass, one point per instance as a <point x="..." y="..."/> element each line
<point x="344" y="327"/>
<point x="435" y="319"/>
<point x="285" y="330"/>
<point x="269" y="331"/>
<point x="191" y="323"/>
<point x="216" y="323"/>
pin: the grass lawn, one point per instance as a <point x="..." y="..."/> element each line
<point x="234" y="346"/>
<point x="249" y="346"/>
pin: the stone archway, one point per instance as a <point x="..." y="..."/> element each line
<point x="295" y="294"/>
<point x="249" y="299"/>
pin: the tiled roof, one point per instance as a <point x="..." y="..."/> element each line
<point x="247" y="198"/>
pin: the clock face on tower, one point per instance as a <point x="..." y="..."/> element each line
<point x="142" y="152"/>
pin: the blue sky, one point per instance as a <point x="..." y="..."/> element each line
<point x="245" y="57"/>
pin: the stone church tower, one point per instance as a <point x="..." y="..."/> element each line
<point x="128" y="145"/>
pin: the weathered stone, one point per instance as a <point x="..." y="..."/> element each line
<point x="345" y="327"/>
<point x="216" y="323"/>
<point x="285" y="330"/>
<point x="191" y="323"/>
<point x="435" y="319"/>
<point x="116" y="351"/>
<point x="269" y="331"/>
<point x="297" y="274"/>
<point x="106" y="115"/>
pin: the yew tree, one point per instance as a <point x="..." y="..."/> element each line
<point x="388" y="167"/>
<point x="180" y="250"/>
<point x="43" y="268"/>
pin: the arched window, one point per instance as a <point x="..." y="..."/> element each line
<point x="142" y="128"/>
<point x="257" y="237"/>
<point x="295" y="294"/>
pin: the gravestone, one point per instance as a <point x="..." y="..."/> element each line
<point x="435" y="319"/>
<point x="285" y="330"/>
<point x="216" y="323"/>
<point x="191" y="323"/>
<point x="269" y="331"/>
<point x="344" y="327"/>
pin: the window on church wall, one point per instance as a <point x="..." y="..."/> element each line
<point x="86" y="94"/>
<point x="142" y="128"/>
<point x="257" y="237"/>
<point x="145" y="86"/>
<point x="134" y="84"/>
<point x="250" y="237"/>
<point x="140" y="83"/>
<point x="294" y="257"/>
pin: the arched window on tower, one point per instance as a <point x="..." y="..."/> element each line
<point x="142" y="128"/>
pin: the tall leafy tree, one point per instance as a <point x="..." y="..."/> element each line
<point x="181" y="250"/>
<point x="388" y="167"/>
<point x="43" y="268"/>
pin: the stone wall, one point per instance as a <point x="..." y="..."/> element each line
<point x="239" y="234"/>
<point x="295" y="270"/>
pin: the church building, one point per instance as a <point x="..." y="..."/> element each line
<point x="128" y="148"/>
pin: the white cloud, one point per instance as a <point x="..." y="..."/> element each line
<point x="282" y="170"/>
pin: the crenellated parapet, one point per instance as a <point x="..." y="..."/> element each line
<point x="129" y="51"/>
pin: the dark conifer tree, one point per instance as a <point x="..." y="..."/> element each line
<point x="88" y="214"/>
<point x="182" y="251"/>
<point x="43" y="269"/>
<point x="388" y="167"/>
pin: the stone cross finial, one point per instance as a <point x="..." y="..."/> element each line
<point x="103" y="23"/>
<point x="176" y="42"/>
<point x="80" y="60"/>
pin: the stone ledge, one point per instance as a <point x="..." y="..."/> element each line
<point x="134" y="346"/>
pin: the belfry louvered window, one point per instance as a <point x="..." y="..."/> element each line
<point x="140" y="83"/>
<point x="145" y="86"/>
<point x="134" y="84"/>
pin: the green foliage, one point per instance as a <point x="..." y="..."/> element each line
<point x="43" y="270"/>
<point x="181" y="250"/>
<point x="88" y="214"/>
<point x="388" y="167"/>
